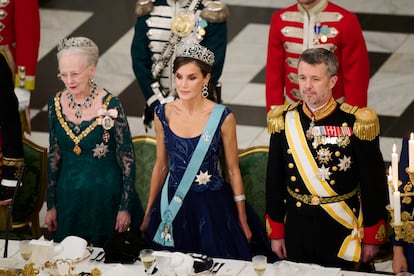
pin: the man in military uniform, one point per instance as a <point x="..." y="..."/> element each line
<point x="310" y="24"/>
<point x="326" y="188"/>
<point x="19" y="46"/>
<point x="160" y="25"/>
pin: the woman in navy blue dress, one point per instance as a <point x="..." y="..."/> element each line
<point x="212" y="218"/>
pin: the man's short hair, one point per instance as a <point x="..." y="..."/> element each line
<point x="316" y="56"/>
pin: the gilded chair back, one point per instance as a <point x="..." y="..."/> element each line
<point x="253" y="165"/>
<point x="31" y="195"/>
<point x="145" y="154"/>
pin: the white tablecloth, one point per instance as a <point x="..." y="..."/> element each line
<point x="138" y="269"/>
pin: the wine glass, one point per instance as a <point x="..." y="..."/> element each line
<point x="25" y="249"/>
<point x="147" y="259"/>
<point x="259" y="264"/>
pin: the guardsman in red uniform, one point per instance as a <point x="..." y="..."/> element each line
<point x="326" y="186"/>
<point x="19" y="46"/>
<point x="312" y="24"/>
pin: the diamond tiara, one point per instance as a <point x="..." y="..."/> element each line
<point x="79" y="42"/>
<point x="196" y="51"/>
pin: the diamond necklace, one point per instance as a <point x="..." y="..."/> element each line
<point x="87" y="103"/>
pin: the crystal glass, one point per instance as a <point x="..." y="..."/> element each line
<point x="259" y="264"/>
<point x="163" y="264"/>
<point x="147" y="259"/>
<point x="25" y="249"/>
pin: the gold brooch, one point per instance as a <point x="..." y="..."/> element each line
<point x="183" y="24"/>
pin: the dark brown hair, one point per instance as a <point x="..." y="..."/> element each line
<point x="205" y="69"/>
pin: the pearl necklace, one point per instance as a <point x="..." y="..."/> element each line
<point x="87" y="103"/>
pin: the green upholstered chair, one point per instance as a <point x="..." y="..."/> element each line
<point x="31" y="196"/>
<point x="253" y="165"/>
<point x="145" y="154"/>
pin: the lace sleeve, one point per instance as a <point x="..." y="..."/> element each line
<point x="54" y="156"/>
<point x="125" y="157"/>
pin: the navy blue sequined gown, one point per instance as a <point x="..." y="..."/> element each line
<point x="207" y="222"/>
<point x="407" y="206"/>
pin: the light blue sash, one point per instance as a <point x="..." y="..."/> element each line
<point x="164" y="234"/>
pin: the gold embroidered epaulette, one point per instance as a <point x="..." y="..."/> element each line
<point x="366" y="126"/>
<point x="215" y="12"/>
<point x="275" y="118"/>
<point x="143" y="7"/>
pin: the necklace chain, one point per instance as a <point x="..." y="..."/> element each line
<point x="86" y="103"/>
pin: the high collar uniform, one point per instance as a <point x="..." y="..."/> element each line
<point x="344" y="147"/>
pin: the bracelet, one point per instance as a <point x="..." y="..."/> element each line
<point x="240" y="197"/>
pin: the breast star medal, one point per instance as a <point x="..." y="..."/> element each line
<point x="344" y="163"/>
<point x="100" y="150"/>
<point x="324" y="155"/>
<point x="203" y="178"/>
<point x="324" y="173"/>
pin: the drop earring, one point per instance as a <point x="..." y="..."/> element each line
<point x="204" y="92"/>
<point x="92" y="82"/>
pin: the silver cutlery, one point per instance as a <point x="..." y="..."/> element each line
<point x="216" y="267"/>
<point x="99" y="257"/>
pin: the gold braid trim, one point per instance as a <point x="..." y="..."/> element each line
<point x="13" y="162"/>
<point x="143" y="7"/>
<point x="366" y="126"/>
<point x="215" y="12"/>
<point x="317" y="200"/>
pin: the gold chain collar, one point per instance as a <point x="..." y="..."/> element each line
<point x="76" y="139"/>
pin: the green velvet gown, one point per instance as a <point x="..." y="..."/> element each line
<point x="91" y="180"/>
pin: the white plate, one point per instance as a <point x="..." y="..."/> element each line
<point x="177" y="259"/>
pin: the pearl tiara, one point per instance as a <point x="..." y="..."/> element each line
<point x="80" y="42"/>
<point x="196" y="51"/>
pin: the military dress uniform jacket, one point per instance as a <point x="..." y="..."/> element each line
<point x="19" y="45"/>
<point x="293" y="30"/>
<point x="20" y="38"/>
<point x="344" y="147"/>
<point x="153" y="30"/>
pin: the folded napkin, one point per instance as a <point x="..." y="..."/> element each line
<point x="287" y="268"/>
<point x="181" y="263"/>
<point x="43" y="250"/>
<point x="120" y="269"/>
<point x="231" y="268"/>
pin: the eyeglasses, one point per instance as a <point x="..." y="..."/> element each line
<point x="71" y="75"/>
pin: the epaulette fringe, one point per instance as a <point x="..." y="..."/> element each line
<point x="366" y="126"/>
<point x="275" y="119"/>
